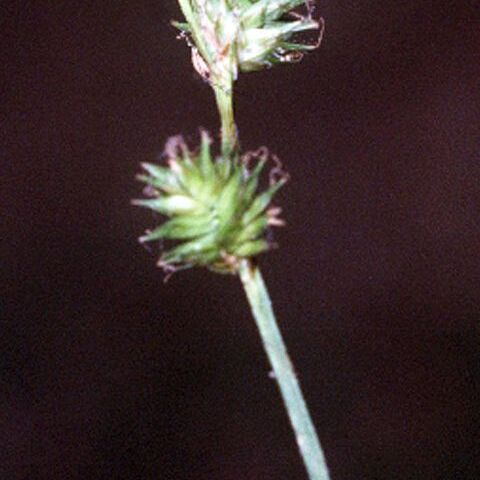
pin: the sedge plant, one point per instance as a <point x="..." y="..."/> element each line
<point x="216" y="216"/>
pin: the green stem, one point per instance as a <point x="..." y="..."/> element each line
<point x="224" y="98"/>
<point x="300" y="419"/>
<point x="221" y="84"/>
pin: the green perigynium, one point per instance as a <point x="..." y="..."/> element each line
<point x="215" y="214"/>
<point x="244" y="35"/>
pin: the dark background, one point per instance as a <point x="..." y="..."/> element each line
<point x="107" y="373"/>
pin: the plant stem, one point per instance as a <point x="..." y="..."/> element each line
<point x="224" y="98"/>
<point x="300" y="419"/>
<point x="260" y="303"/>
<point x="222" y="86"/>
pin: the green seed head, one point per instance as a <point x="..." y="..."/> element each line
<point x="215" y="215"/>
<point x="245" y="35"/>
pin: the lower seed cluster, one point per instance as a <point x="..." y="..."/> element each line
<point x="215" y="215"/>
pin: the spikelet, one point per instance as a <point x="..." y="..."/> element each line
<point x="216" y="217"/>
<point x="229" y="36"/>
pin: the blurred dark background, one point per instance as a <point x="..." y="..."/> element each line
<point x="107" y="373"/>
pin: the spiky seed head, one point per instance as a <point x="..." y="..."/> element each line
<point x="215" y="215"/>
<point x="245" y="35"/>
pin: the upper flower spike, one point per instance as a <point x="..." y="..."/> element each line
<point x="245" y="35"/>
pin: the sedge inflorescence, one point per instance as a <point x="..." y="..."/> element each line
<point x="246" y="35"/>
<point x="216" y="216"/>
<point x="217" y="212"/>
